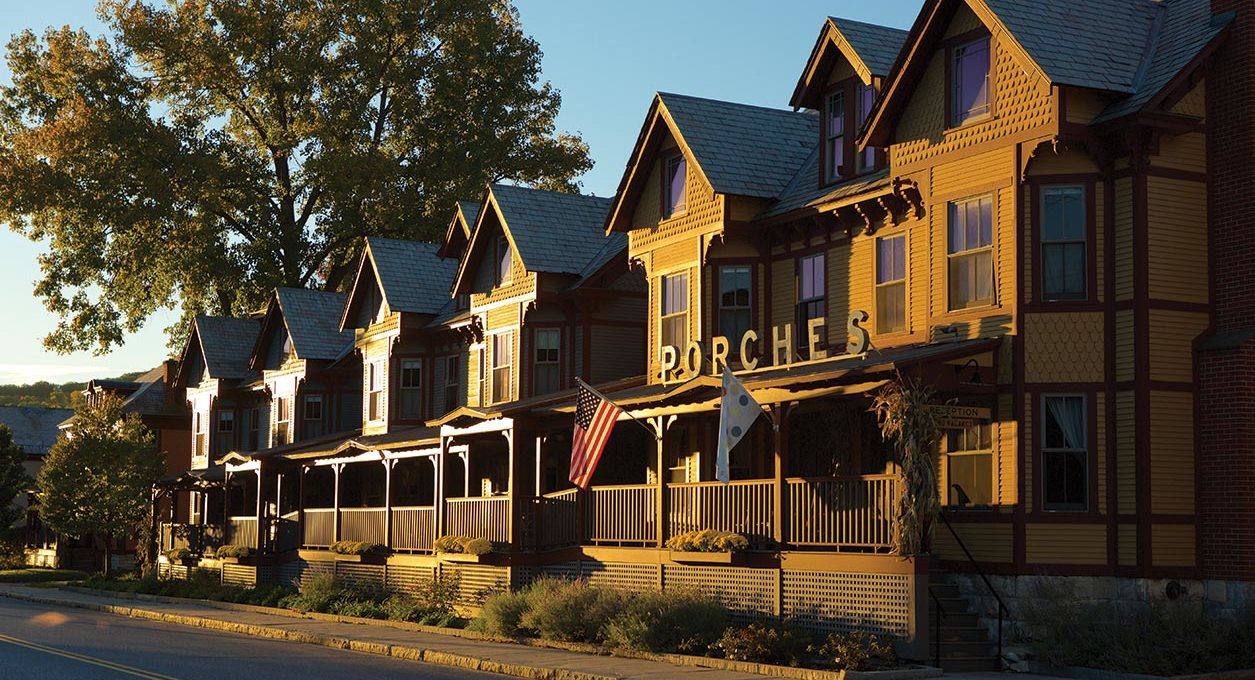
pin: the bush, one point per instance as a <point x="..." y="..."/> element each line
<point x="40" y="575"/>
<point x="357" y="548"/>
<point x="178" y="554"/>
<point x="502" y="614"/>
<point x="708" y="540"/>
<point x="857" y="651"/>
<point x="233" y="551"/>
<point x="569" y="610"/>
<point x="432" y="604"/>
<point x="463" y="545"/>
<point x="682" y="621"/>
<point x="315" y="593"/>
<point x="367" y="609"/>
<point x="763" y="644"/>
<point x="203" y="585"/>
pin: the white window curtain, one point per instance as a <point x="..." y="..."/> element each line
<point x="1069" y="414"/>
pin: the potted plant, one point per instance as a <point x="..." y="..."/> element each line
<point x="182" y="556"/>
<point x="234" y="554"/>
<point x="359" y="551"/>
<point x="462" y="548"/>
<point x="707" y="546"/>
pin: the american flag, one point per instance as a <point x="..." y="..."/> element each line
<point x="595" y="417"/>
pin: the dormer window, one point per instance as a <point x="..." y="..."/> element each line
<point x="969" y="81"/>
<point x="503" y="260"/>
<point x="834" y="136"/>
<point x="866" y="99"/>
<point x="674" y="172"/>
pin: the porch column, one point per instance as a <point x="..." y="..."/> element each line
<point x="300" y="505"/>
<point x="514" y="491"/>
<point x="437" y="498"/>
<point x="660" y="501"/>
<point x="335" y="504"/>
<point x="387" y="501"/>
<point x="780" y="427"/>
<point x="228" y="535"/>
<point x="278" y="522"/>
<point x="261" y="539"/>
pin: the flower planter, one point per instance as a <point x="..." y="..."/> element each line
<point x="703" y="557"/>
<point x="461" y="557"/>
<point x="368" y="558"/>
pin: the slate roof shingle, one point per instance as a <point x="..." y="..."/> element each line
<point x="878" y="46"/>
<point x="804" y="190"/>
<point x="312" y="318"/>
<point x="34" y="427"/>
<point x="470" y="211"/>
<point x="742" y="149"/>
<point x="554" y="232"/>
<point x="227" y="344"/>
<point x="414" y="278"/>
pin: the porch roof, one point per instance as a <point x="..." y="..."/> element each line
<point x="194" y="479"/>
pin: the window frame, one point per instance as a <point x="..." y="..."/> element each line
<point x="969" y="252"/>
<point x="833" y="169"/>
<point x="1042" y="185"/>
<point x="376" y="386"/>
<point x="953" y="47"/>
<point x="403" y="389"/>
<point x="989" y="452"/>
<point x="283" y="420"/>
<point x="669" y="207"/>
<point x="800" y="340"/>
<point x="866" y="160"/>
<point x="554" y="364"/>
<point x="664" y="316"/>
<point x="903" y="283"/>
<point x="503" y="261"/>
<point x="506" y="338"/>
<point x="1044" y="452"/>
<point x="455" y="385"/>
<point x="254" y="428"/>
<point x="751" y="271"/>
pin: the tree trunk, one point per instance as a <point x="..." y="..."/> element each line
<point x="108" y="565"/>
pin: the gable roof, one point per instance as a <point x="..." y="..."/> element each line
<point x="877" y="46"/>
<point x="312" y="320"/>
<point x="226" y="343"/>
<point x="1125" y="47"/>
<point x="458" y="234"/>
<point x="34" y="427"/>
<point x="410" y="275"/>
<point x="870" y="49"/>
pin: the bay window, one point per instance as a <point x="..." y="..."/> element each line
<point x="502" y="361"/>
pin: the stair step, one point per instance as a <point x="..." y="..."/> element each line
<point x="964" y="634"/>
<point x="944" y="590"/>
<point x="951" y="605"/>
<point x="970" y="664"/>
<point x="954" y="619"/>
<point x="966" y="648"/>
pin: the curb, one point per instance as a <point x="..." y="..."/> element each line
<point x="396" y="651"/>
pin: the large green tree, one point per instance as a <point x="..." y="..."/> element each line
<point x="98" y="479"/>
<point x="206" y="151"/>
<point x="13" y="477"/>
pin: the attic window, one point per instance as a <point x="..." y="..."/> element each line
<point x="969" y="81"/>
<point x="675" y="169"/>
<point x="834" y="136"/>
<point x="863" y="108"/>
<point x="503" y="260"/>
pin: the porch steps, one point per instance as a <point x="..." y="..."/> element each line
<point x="965" y="644"/>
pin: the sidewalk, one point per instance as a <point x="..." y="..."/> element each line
<point x="418" y="645"/>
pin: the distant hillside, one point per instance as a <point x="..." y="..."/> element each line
<point x="44" y="393"/>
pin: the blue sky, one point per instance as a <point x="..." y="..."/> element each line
<point x="606" y="58"/>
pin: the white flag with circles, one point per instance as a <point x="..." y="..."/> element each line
<point x="737" y="413"/>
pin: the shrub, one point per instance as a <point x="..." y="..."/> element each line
<point x="367" y="609"/>
<point x="315" y="593"/>
<point x="763" y="644"/>
<point x="683" y="621"/>
<point x="502" y="614"/>
<point x="432" y="604"/>
<point x="178" y="554"/>
<point x="857" y="651"/>
<point x="463" y="545"/>
<point x="569" y="610"/>
<point x="233" y="551"/>
<point x="708" y="540"/>
<point x="357" y="548"/>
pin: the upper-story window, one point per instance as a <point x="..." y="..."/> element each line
<point x="674" y="173"/>
<point x="971" y="253"/>
<point x="411" y="388"/>
<point x="811" y="296"/>
<point x="834" y="136"/>
<point x="201" y="438"/>
<point x="674" y="311"/>
<point x="866" y="100"/>
<point x="375" y="383"/>
<point x="545" y="367"/>
<point x="283" y="420"/>
<point x="969" y="81"/>
<point x="254" y="428"/>
<point x="1063" y="232"/>
<point x="1065" y="452"/>
<point x="734" y="302"/>
<point x="452" y="382"/>
<point x="311" y="416"/>
<point x="502" y="363"/>
<point x="891" y="284"/>
<point x="226" y="423"/>
<point x="503" y="260"/>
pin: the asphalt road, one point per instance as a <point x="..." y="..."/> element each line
<point x="39" y="641"/>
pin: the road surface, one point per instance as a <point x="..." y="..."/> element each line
<point x="40" y="641"/>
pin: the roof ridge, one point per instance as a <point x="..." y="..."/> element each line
<point x="573" y="194"/>
<point x="760" y="107"/>
<point x="843" y="20"/>
<point x="1152" y="43"/>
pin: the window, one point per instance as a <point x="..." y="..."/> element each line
<point x="675" y="311"/>
<point x="866" y="99"/>
<point x="971" y="260"/>
<point x="545" y="378"/>
<point x="734" y="303"/>
<point x="1065" y="453"/>
<point x="452" y="382"/>
<point x="502" y="359"/>
<point x="969" y="465"/>
<point x="411" y="388"/>
<point x="376" y="391"/>
<point x="312" y="416"/>
<point x="1063" y="229"/>
<point x="969" y="81"/>
<point x="283" y="421"/>
<point x="673" y="199"/>
<point x="254" y="428"/>
<point x="834" y="136"/>
<point x="226" y="422"/>
<point x="811" y="291"/>
<point x="891" y="284"/>
<point x="202" y="440"/>
<point x="483" y="376"/>
<point x="503" y="260"/>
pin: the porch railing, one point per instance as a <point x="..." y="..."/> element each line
<point x="743" y="506"/>
<point x="320" y="527"/>
<point x="242" y="531"/>
<point x="554" y="521"/>
<point x="288" y="532"/>
<point x="622" y="514"/>
<point x="487" y="517"/>
<point x="413" y="528"/>
<point x="842" y="512"/>
<point x="364" y="524"/>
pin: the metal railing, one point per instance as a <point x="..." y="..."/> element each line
<point x="842" y="512"/>
<point x="742" y="506"/>
<point x="481" y="517"/>
<point x="624" y="514"/>
<point x="319" y="529"/>
<point x="413" y="528"/>
<point x="369" y="525"/>
<point x="1002" y="606"/>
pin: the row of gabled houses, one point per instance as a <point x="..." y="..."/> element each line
<point x="1031" y="225"/>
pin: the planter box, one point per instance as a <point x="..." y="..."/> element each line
<point x="703" y="557"/>
<point x="461" y="557"/>
<point x="369" y="558"/>
<point x="250" y="561"/>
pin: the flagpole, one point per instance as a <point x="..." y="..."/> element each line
<point x="623" y="410"/>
